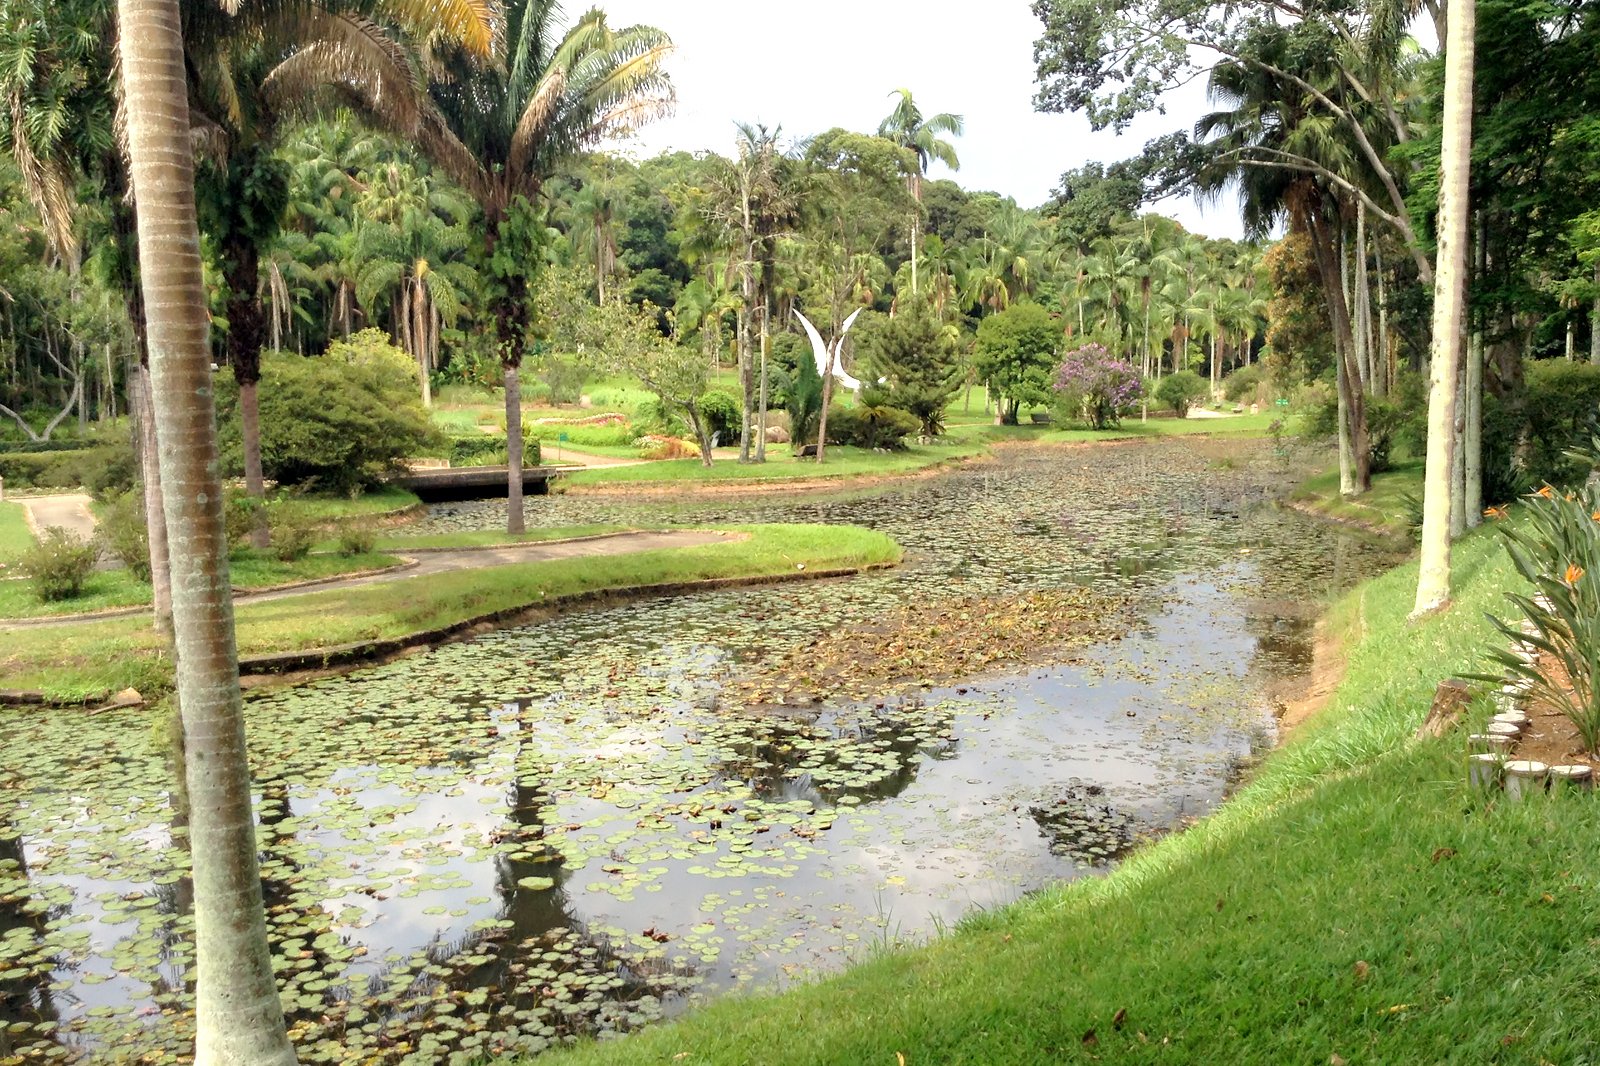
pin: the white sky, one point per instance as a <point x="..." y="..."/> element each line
<point x="834" y="63"/>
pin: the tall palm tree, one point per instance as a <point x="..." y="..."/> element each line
<point x="907" y="127"/>
<point x="500" y="128"/>
<point x="238" y="1016"/>
<point x="1449" y="307"/>
<point x="252" y="65"/>
<point x="592" y="217"/>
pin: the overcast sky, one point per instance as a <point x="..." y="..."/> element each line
<point x="834" y="63"/>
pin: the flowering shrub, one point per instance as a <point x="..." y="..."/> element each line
<point x="1098" y="385"/>
<point x="1557" y="551"/>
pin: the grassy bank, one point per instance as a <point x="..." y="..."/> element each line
<point x="491" y="538"/>
<point x="1352" y="903"/>
<point x="15" y="537"/>
<point x="1384" y="510"/>
<point x="93" y="659"/>
<point x="109" y="589"/>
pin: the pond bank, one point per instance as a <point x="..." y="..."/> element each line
<point x="1351" y="902"/>
<point x="87" y="662"/>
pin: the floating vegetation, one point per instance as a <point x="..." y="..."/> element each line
<point x="582" y="825"/>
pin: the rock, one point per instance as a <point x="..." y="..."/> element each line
<point x="128" y="697"/>
<point x="777" y="435"/>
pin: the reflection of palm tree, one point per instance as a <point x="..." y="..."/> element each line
<point x="27" y="998"/>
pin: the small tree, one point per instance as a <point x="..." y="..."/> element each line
<point x="1181" y="391"/>
<point x="633" y="345"/>
<point x="1015" y="353"/>
<point x="920" y="365"/>
<point x="804" y="400"/>
<point x="1097" y="385"/>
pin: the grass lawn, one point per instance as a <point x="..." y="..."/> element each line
<point x="373" y="502"/>
<point x="15" y="537"/>
<point x="1353" y="902"/>
<point x="1384" y="508"/>
<point x="108" y="589"/>
<point x="97" y="658"/>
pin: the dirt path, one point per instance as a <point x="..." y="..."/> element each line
<point x="564" y="458"/>
<point x="69" y="511"/>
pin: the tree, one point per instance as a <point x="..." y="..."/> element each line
<point x="1097" y="385"/>
<point x="239" y="1021"/>
<point x="1180" y="391"/>
<point x="676" y="374"/>
<point x="1016" y="355"/>
<point x="501" y="128"/>
<point x="1449" y="309"/>
<point x="907" y="127"/>
<point x="922" y="371"/>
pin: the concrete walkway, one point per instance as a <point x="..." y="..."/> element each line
<point x="68" y="511"/>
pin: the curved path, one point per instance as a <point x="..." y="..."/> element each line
<point x="68" y="511"/>
<point x="428" y="561"/>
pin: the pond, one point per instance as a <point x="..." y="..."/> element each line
<point x="582" y="825"/>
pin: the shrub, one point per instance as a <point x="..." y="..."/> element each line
<point x="1181" y="391"/>
<point x="58" y="565"/>
<point x="341" y="421"/>
<point x="357" y="537"/>
<point x="1095" y="385"/>
<point x="113" y="472"/>
<point x="1013" y="356"/>
<point x="667" y="448"/>
<point x="479" y="449"/>
<point x="1244" y="384"/>
<point x="60" y="469"/>
<point x="722" y="414"/>
<point x="125" y="534"/>
<point x="1559" y="405"/>
<point x="239" y="510"/>
<point x="870" y="427"/>
<point x="804" y="402"/>
<point x="293" y="533"/>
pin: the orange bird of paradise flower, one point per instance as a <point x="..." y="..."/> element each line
<point x="1498" y="513"/>
<point x="1547" y="492"/>
<point x="1573" y="575"/>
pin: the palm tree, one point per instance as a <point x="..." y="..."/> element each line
<point x="1449" y="308"/>
<point x="238" y="1015"/>
<point x="248" y="70"/>
<point x="592" y="217"/>
<point x="907" y="127"/>
<point x="499" y="129"/>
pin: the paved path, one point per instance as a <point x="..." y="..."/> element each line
<point x="70" y="512"/>
<point x="445" y="561"/>
<point x="564" y="458"/>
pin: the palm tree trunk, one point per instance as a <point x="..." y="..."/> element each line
<point x="155" y="514"/>
<point x="822" y="420"/>
<point x="746" y="363"/>
<point x="761" y="406"/>
<point x="515" y="522"/>
<point x="1594" y="322"/>
<point x="1449" y="300"/>
<point x="244" y="354"/>
<point x="239" y="1021"/>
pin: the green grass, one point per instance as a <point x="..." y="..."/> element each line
<point x="93" y="659"/>
<point x="109" y="589"/>
<point x="840" y="462"/>
<point x="379" y="501"/>
<point x="1353" y="900"/>
<point x="488" y="538"/>
<point x="15" y="537"/>
<point x="1384" y="509"/>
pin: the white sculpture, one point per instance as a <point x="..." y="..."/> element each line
<point x="828" y="359"/>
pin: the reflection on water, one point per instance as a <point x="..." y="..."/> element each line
<point x="571" y="827"/>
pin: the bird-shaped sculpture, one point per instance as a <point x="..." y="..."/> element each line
<point x="828" y="358"/>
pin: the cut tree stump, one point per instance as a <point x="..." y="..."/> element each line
<point x="1449" y="704"/>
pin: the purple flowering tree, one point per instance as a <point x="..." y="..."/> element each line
<point x="1097" y="383"/>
